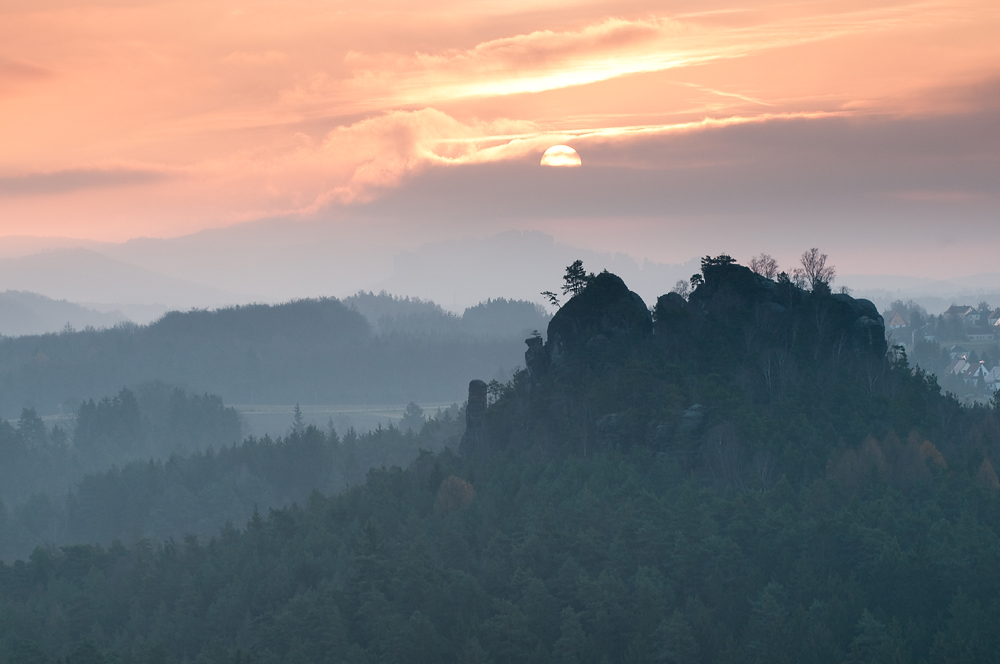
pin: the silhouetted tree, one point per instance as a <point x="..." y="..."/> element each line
<point x="552" y="298"/>
<point x="814" y="271"/>
<point x="576" y="278"/>
<point x="413" y="418"/>
<point x="765" y="266"/>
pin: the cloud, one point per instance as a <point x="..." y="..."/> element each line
<point x="14" y="74"/>
<point x="14" y="70"/>
<point x="357" y="163"/>
<point x="292" y="108"/>
<point x="63" y="181"/>
<point x="614" y="47"/>
<point x="829" y="175"/>
<point x="377" y="153"/>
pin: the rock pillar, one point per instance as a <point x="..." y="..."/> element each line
<point x="475" y="412"/>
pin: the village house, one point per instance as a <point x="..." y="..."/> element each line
<point x="896" y="321"/>
<point x="992" y="379"/>
<point x="957" y="366"/>
<point x="973" y="372"/>
<point x="968" y="315"/>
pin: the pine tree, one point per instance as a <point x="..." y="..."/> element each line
<point x="298" y="422"/>
<point x="576" y="278"/>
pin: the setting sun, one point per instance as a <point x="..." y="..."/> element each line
<point x="561" y="155"/>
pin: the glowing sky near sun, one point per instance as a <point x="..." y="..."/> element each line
<point x="161" y="117"/>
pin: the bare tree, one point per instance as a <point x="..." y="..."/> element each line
<point x="814" y="270"/>
<point x="765" y="266"/>
<point x="682" y="288"/>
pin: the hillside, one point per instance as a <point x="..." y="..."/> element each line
<point x="748" y="475"/>
<point x="309" y="351"/>
<point x="161" y="496"/>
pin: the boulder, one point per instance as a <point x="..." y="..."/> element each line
<point x="605" y="312"/>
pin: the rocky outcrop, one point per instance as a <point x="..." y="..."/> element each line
<point x="867" y="325"/>
<point x="733" y="294"/>
<point x="475" y="414"/>
<point x="536" y="358"/>
<point x="731" y="297"/>
<point x="606" y="312"/>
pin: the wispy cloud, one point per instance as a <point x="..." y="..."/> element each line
<point x="63" y="181"/>
<point x="15" y="70"/>
<point x="15" y="73"/>
<point x="545" y="60"/>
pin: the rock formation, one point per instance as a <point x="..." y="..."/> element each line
<point x="475" y="412"/>
<point x="733" y="295"/>
<point x="605" y="313"/>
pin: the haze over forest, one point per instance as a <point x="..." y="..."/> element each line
<point x="275" y="261"/>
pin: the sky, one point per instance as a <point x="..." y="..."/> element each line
<point x="870" y="129"/>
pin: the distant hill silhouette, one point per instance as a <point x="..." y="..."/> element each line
<point x="498" y="317"/>
<point x="83" y="275"/>
<point x="22" y="313"/>
<point x="308" y="351"/>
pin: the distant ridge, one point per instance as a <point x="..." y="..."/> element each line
<point x="83" y="275"/>
<point x="309" y="351"/>
<point x="24" y="313"/>
<point x="16" y="246"/>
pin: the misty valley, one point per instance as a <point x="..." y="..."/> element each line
<point x="757" y="468"/>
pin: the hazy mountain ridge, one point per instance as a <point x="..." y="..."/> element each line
<point x="23" y="313"/>
<point x="274" y="260"/>
<point x="85" y="275"/>
<point x="278" y="260"/>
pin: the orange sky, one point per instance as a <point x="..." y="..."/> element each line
<point x="161" y="117"/>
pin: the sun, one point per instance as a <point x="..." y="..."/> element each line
<point x="561" y="155"/>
